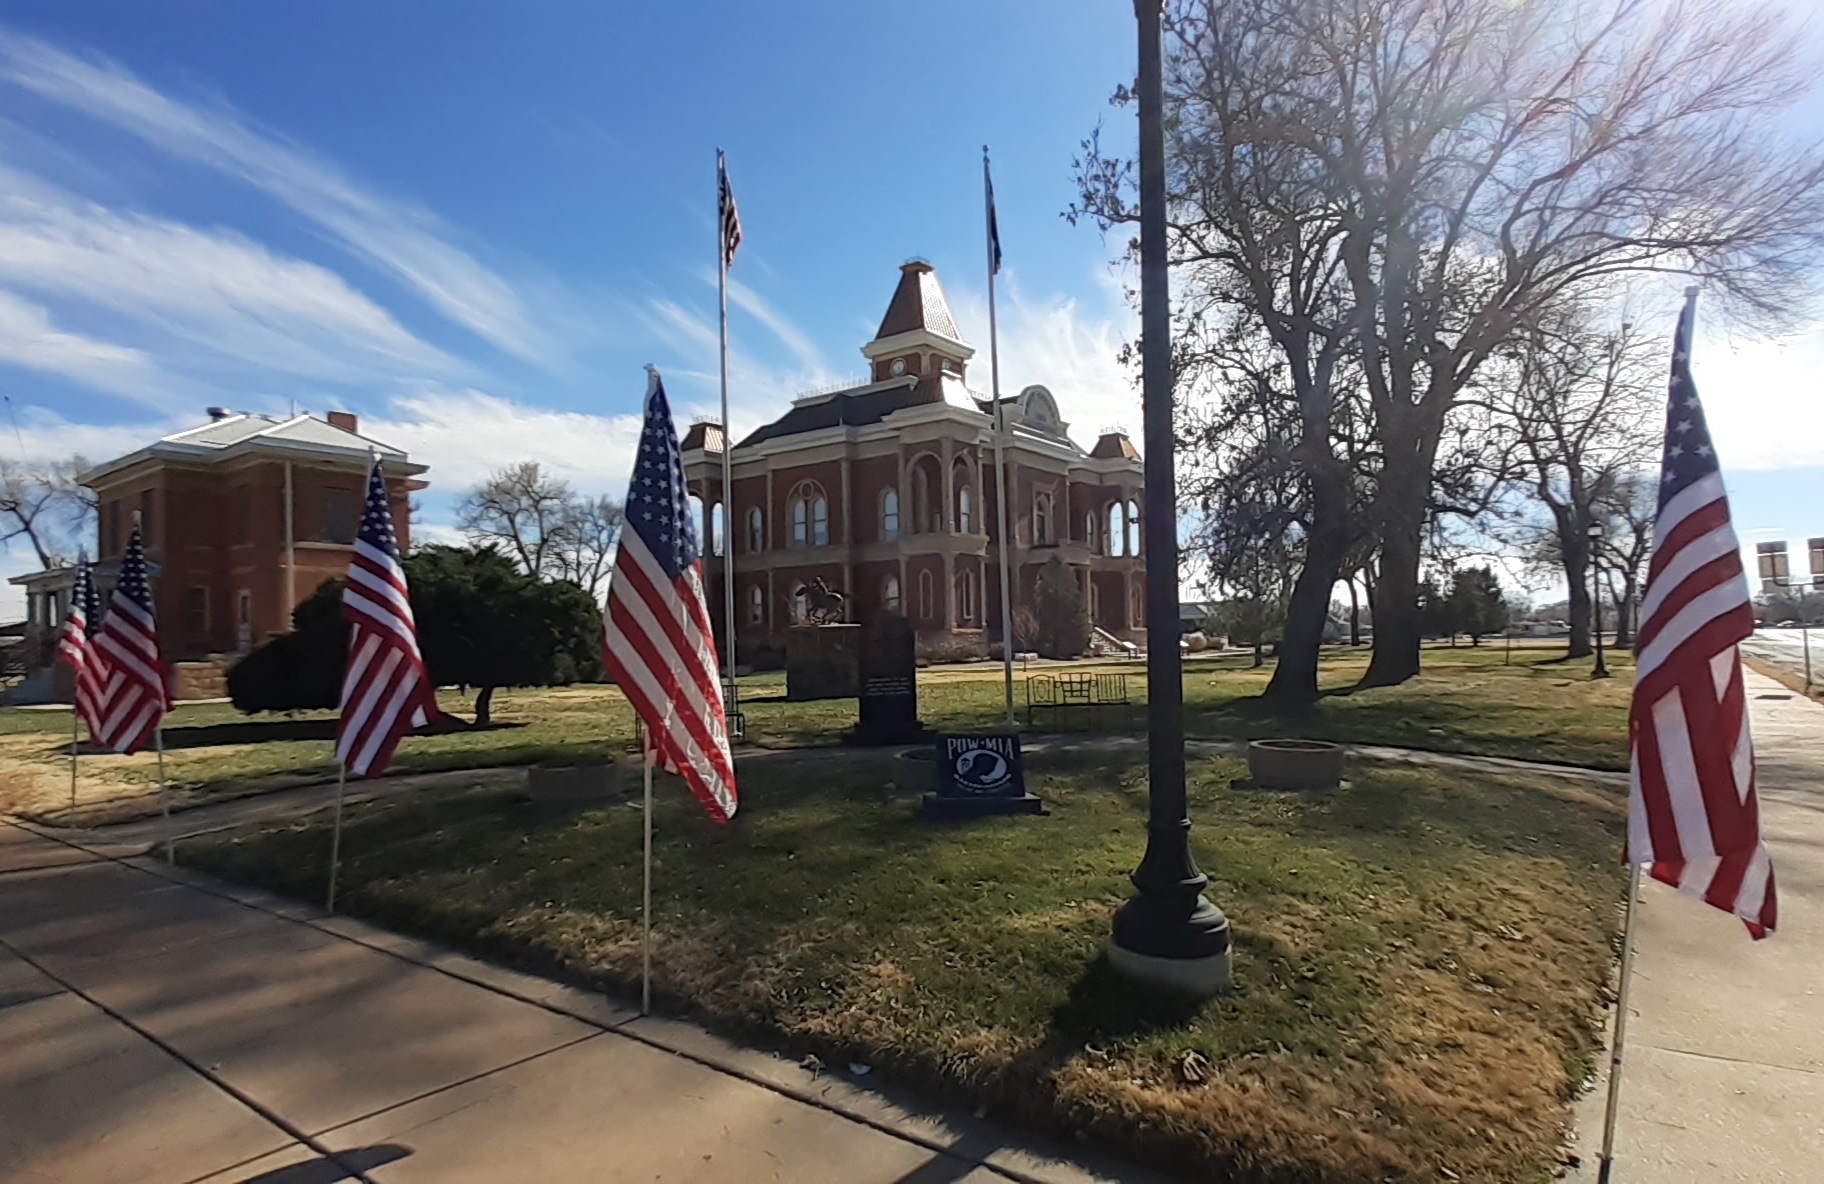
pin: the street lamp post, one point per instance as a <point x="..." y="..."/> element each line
<point x="1167" y="933"/>
<point x="1601" y="670"/>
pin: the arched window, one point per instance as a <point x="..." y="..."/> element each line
<point x="1089" y="532"/>
<point x="810" y="512"/>
<point x="1117" y="531"/>
<point x="965" y="598"/>
<point x="1136" y="608"/>
<point x="801" y="607"/>
<point x="926" y="608"/>
<point x="696" y="515"/>
<point x="965" y="511"/>
<point x="889" y="594"/>
<point x="889" y="515"/>
<point x="1041" y="519"/>
<point x="756" y="531"/>
<point x="716" y="531"/>
<point x="1095" y="604"/>
<point x="1133" y="528"/>
<point x="756" y="604"/>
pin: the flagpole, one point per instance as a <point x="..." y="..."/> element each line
<point x="164" y="798"/>
<point x="646" y="890"/>
<point x="1000" y="455"/>
<point x="75" y="739"/>
<point x="728" y="463"/>
<point x="335" y="841"/>
<point x="1621" y="1027"/>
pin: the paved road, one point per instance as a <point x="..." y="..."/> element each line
<point x="1785" y="648"/>
<point x="164" y="1028"/>
<point x="1725" y="1059"/>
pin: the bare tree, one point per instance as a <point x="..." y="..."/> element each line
<point x="1627" y="507"/>
<point x="42" y="503"/>
<point x="1581" y="407"/>
<point x="524" y="510"/>
<point x="1453" y="168"/>
<point x="548" y="528"/>
<point x="586" y="548"/>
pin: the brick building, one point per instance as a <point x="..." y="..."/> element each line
<point x="887" y="491"/>
<point x="244" y="517"/>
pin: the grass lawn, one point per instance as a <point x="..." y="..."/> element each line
<point x="1467" y="700"/>
<point x="1420" y="957"/>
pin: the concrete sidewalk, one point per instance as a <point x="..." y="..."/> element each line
<point x="164" y="1027"/>
<point x="1724" y="1073"/>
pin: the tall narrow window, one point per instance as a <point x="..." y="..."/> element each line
<point x="1117" y="531"/>
<point x="1133" y="528"/>
<point x="801" y="531"/>
<point x="926" y="609"/>
<point x="756" y="605"/>
<point x="889" y="594"/>
<point x="715" y="529"/>
<point x="756" y="531"/>
<point x="965" y="511"/>
<point x="965" y="598"/>
<point x="1089" y="532"/>
<point x="800" y="605"/>
<point x="820" y="522"/>
<point x="889" y="515"/>
<point x="1041" y="519"/>
<point x="810" y="513"/>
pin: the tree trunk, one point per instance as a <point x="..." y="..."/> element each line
<point x="1293" y="687"/>
<point x="1259" y="654"/>
<point x="1355" y="616"/>
<point x="1396" y="595"/>
<point x="484" y="705"/>
<point x="1577" y="576"/>
<point x="1624" y="615"/>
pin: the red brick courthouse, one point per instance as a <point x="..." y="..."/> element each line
<point x="243" y="517"/>
<point x="887" y="491"/>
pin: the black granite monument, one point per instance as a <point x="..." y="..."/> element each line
<point x="889" y="686"/>
<point x="978" y="776"/>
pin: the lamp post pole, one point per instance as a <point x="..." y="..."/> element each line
<point x="1167" y="933"/>
<point x="1602" y="669"/>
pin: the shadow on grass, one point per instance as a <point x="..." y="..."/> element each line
<point x="260" y="731"/>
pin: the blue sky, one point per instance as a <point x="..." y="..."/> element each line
<point x="472" y="223"/>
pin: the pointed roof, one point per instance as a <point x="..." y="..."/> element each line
<point x="918" y="303"/>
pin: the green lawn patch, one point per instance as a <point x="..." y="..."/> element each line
<point x="1468" y="700"/>
<point x="1420" y="957"/>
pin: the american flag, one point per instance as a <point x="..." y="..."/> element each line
<point x="1692" y="811"/>
<point x="657" y="643"/>
<point x="77" y="647"/>
<point x="727" y="217"/>
<point x="133" y="698"/>
<point x="385" y="690"/>
<point x="994" y="223"/>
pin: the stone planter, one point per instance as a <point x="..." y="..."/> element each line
<point x="560" y="792"/>
<point x="1295" y="764"/>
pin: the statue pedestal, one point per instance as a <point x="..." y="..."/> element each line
<point x="822" y="662"/>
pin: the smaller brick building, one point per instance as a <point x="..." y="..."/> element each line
<point x="243" y="516"/>
<point x="887" y="491"/>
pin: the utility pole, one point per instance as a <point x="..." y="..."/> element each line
<point x="1167" y="933"/>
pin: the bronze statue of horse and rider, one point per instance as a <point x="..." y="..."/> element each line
<point x="824" y="605"/>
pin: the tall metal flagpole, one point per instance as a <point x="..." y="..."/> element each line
<point x="1000" y="454"/>
<point x="723" y="193"/>
<point x="646" y="756"/>
<point x="1621" y="1028"/>
<point x="335" y="840"/>
<point x="164" y="798"/>
<point x="75" y="739"/>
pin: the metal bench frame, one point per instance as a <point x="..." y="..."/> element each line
<point x="1087" y="693"/>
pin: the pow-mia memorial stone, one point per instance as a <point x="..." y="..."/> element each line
<point x="888" y="686"/>
<point x="979" y="776"/>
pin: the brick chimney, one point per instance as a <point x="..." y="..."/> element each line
<point x="345" y="420"/>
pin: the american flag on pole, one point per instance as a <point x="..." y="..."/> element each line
<point x="133" y="698"/>
<point x="385" y="690"/>
<point x="727" y="217"/>
<point x="657" y="643"/>
<point x="76" y="648"/>
<point x="1692" y="812"/>
<point x="994" y="223"/>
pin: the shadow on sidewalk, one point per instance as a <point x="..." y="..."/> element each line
<point x="332" y="1169"/>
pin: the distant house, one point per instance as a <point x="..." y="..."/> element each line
<point x="886" y="491"/>
<point x="243" y="517"/>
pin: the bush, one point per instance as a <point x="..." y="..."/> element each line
<point x="953" y="649"/>
<point x="1062" y="621"/>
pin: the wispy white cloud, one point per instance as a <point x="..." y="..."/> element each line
<point x="226" y="298"/>
<point x="1764" y="399"/>
<point x="406" y="241"/>
<point x="466" y="434"/>
<point x="794" y="339"/>
<point x="28" y="338"/>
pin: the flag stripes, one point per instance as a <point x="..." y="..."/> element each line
<point x="76" y="649"/>
<point x="656" y="642"/>
<point x="728" y="218"/>
<point x="385" y="690"/>
<point x="1693" y="815"/>
<point x="133" y="701"/>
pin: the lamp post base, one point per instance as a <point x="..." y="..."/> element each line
<point x="1156" y="941"/>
